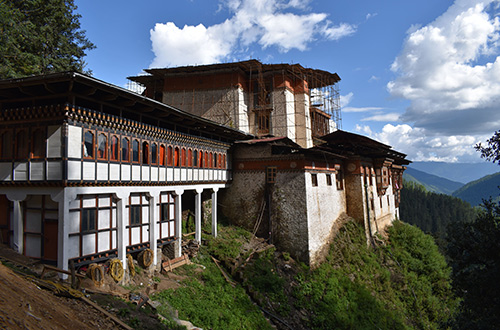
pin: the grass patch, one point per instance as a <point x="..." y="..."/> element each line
<point x="227" y="245"/>
<point x="208" y="301"/>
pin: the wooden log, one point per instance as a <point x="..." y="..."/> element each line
<point x="228" y="280"/>
<point x="105" y="312"/>
<point x="55" y="269"/>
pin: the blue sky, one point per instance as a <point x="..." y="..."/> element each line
<point x="422" y="76"/>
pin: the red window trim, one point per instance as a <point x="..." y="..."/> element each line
<point x="114" y="148"/>
<point x="105" y="156"/>
<point x="93" y="144"/>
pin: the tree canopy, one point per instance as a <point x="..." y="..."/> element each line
<point x="40" y="37"/>
<point x="491" y="152"/>
<point x="474" y="251"/>
<point x="432" y="212"/>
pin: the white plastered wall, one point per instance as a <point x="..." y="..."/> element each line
<point x="325" y="204"/>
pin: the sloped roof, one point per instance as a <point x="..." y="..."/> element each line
<point x="315" y="78"/>
<point x="287" y="146"/>
<point x="66" y="87"/>
<point x="350" y="144"/>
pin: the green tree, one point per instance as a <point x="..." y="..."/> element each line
<point x="491" y="152"/>
<point x="474" y="250"/>
<point x="432" y="212"/>
<point x="40" y="37"/>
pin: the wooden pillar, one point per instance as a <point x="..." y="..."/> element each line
<point x="153" y="232"/>
<point x="18" y="228"/>
<point x="121" y="224"/>
<point x="198" y="215"/>
<point x="63" y="198"/>
<point x="214" y="211"/>
<point x="178" y="223"/>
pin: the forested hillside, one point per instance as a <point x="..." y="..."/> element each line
<point x="431" y="182"/>
<point x="432" y="212"/>
<point x="474" y="192"/>
<point x="459" y="172"/>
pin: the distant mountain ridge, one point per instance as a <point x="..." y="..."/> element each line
<point x="474" y="192"/>
<point x="432" y="183"/>
<point x="458" y="172"/>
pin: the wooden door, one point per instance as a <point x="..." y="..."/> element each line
<point x="50" y="235"/>
<point x="4" y="220"/>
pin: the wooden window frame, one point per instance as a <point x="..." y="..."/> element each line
<point x="190" y="157"/>
<point x="103" y="156"/>
<point x="114" y="148"/>
<point x="22" y="151"/>
<point x="339" y="180"/>
<point x="154" y="153"/>
<point x="195" y="158"/>
<point x="112" y="207"/>
<point x="138" y="223"/>
<point x="314" y="179"/>
<point x="263" y="121"/>
<point x="137" y="152"/>
<point x="146" y="155"/>
<point x="125" y="149"/>
<point x="271" y="173"/>
<point x="328" y="179"/>
<point x="162" y="154"/>
<point x="38" y="144"/>
<point x="87" y="147"/>
<point x="183" y="157"/>
<point x="6" y="144"/>
<point x="200" y="158"/>
<point x="84" y="224"/>
<point x="166" y="200"/>
<point x="135" y="219"/>
<point x="176" y="157"/>
<point x="170" y="158"/>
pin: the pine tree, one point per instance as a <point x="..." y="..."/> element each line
<point x="40" y="37"/>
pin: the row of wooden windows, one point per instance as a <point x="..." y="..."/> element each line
<point x="89" y="214"/>
<point x="338" y="180"/>
<point x="23" y="144"/>
<point x="147" y="152"/>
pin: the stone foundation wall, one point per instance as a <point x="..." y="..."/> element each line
<point x="289" y="214"/>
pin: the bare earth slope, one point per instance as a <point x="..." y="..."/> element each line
<point x="25" y="306"/>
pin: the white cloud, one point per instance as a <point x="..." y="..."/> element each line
<point x="189" y="45"/>
<point x="383" y="117"/>
<point x="450" y="71"/>
<point x="338" y="32"/>
<point x="268" y="23"/>
<point x="361" y="109"/>
<point x="346" y="99"/>
<point x="419" y="145"/>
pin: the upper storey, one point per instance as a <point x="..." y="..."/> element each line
<point x="69" y="128"/>
<point x="261" y="99"/>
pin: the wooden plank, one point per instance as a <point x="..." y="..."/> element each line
<point x="170" y="265"/>
<point x="55" y="269"/>
<point x="105" y="312"/>
<point x="228" y="280"/>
